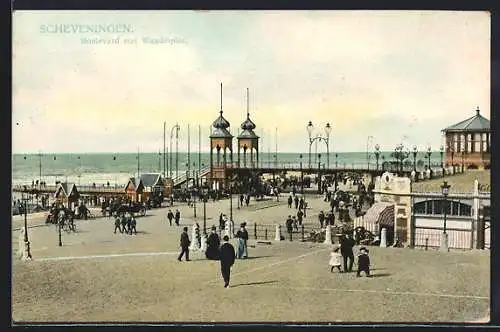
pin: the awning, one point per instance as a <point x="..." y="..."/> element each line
<point x="380" y="213"/>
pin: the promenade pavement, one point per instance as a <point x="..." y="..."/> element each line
<point x="137" y="277"/>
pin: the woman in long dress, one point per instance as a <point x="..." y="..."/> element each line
<point x="240" y="248"/>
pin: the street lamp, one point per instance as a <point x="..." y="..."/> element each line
<point x="204" y="212"/>
<point x="429" y="153"/>
<point x="415" y="158"/>
<point x="441" y="151"/>
<point x="368" y="140"/>
<point x="301" y="176"/>
<point x="326" y="139"/>
<point x="445" y="189"/>
<point x="177" y="128"/>
<point x="319" y="173"/>
<point x="377" y="153"/>
<point x="24" y="198"/>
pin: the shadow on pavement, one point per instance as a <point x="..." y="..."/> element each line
<point x="256" y="283"/>
<point x="378" y="275"/>
<point x="254" y="257"/>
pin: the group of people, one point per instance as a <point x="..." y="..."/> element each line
<point x="125" y="223"/>
<point x="343" y="255"/>
<point x="171" y="216"/>
<point x="300" y="204"/>
<point x="244" y="198"/>
<point x="225" y="253"/>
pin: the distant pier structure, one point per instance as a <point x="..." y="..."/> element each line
<point x="468" y="142"/>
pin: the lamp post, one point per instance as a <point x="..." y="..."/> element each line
<point x="377" y="153"/>
<point x="204" y="212"/>
<point x="441" y="151"/>
<point x="415" y="158"/>
<point x="177" y="128"/>
<point x="301" y="176"/>
<point x="326" y="139"/>
<point x="319" y="173"/>
<point x="429" y="153"/>
<point x="24" y="199"/>
<point x="368" y="140"/>
<point x="445" y="188"/>
<point x="231" y="203"/>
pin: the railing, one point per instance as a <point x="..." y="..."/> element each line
<point x="294" y="165"/>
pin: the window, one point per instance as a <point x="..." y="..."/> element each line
<point x="465" y="210"/>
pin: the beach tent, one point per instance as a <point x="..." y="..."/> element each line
<point x="66" y="193"/>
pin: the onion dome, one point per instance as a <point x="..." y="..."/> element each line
<point x="220" y="122"/>
<point x="248" y="124"/>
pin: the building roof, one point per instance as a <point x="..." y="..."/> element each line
<point x="248" y="133"/>
<point x="221" y="133"/>
<point x="477" y="123"/>
<point x="151" y="179"/>
<point x="221" y="122"/>
<point x="66" y="188"/>
<point x="248" y="124"/>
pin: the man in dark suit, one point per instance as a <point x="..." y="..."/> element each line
<point x="227" y="257"/>
<point x="213" y="244"/>
<point x="184" y="245"/>
<point x="346" y="245"/>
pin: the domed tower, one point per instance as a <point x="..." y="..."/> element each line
<point x="248" y="141"/>
<point x="220" y="139"/>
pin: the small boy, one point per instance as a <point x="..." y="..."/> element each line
<point x="363" y="262"/>
<point x="335" y="259"/>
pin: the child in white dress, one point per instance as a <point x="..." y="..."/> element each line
<point x="335" y="259"/>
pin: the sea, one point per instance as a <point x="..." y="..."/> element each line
<point x="117" y="168"/>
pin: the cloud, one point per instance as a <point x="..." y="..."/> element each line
<point x="386" y="74"/>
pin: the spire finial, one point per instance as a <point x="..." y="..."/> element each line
<point x="477" y="110"/>
<point x="248" y="109"/>
<point x="220" y="98"/>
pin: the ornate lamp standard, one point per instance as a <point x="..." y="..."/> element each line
<point x="204" y="211"/>
<point x="177" y="128"/>
<point x="441" y="151"/>
<point x="377" y="153"/>
<point x="326" y="139"/>
<point x="301" y="177"/>
<point x="319" y="173"/>
<point x="415" y="158"/>
<point x="24" y="199"/>
<point x="445" y="188"/>
<point x="429" y="153"/>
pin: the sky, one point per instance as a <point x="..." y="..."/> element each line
<point x="392" y="75"/>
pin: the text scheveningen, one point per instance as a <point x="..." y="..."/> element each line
<point x="86" y="28"/>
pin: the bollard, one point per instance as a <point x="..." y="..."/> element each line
<point x="444" y="243"/>
<point x="255" y="230"/>
<point x="426" y="243"/>
<point x="265" y="234"/>
<point x="383" y="238"/>
<point x="328" y="235"/>
<point x="302" y="231"/>
<point x="277" y="235"/>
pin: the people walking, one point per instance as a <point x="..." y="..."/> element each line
<point x="301" y="203"/>
<point x="227" y="259"/>
<point x="247" y="199"/>
<point x="346" y="245"/>
<point x="290" y="201"/>
<point x="289" y="224"/>
<point x="242" y="198"/>
<point x="197" y="233"/>
<point x="170" y="216"/>
<point x="177" y="216"/>
<point x="335" y="259"/>
<point x="321" y="218"/>
<point x="118" y="224"/>
<point x="363" y="262"/>
<point x="296" y="200"/>
<point x="300" y="214"/>
<point x="240" y="243"/>
<point x="294" y="222"/>
<point x="244" y="236"/>
<point x="184" y="245"/>
<point x="133" y="224"/>
<point x="213" y="243"/>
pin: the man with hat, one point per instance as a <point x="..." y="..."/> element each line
<point x="244" y="236"/>
<point x="227" y="258"/>
<point x="213" y="243"/>
<point x="184" y="245"/>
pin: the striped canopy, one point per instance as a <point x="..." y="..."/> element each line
<point x="380" y="213"/>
